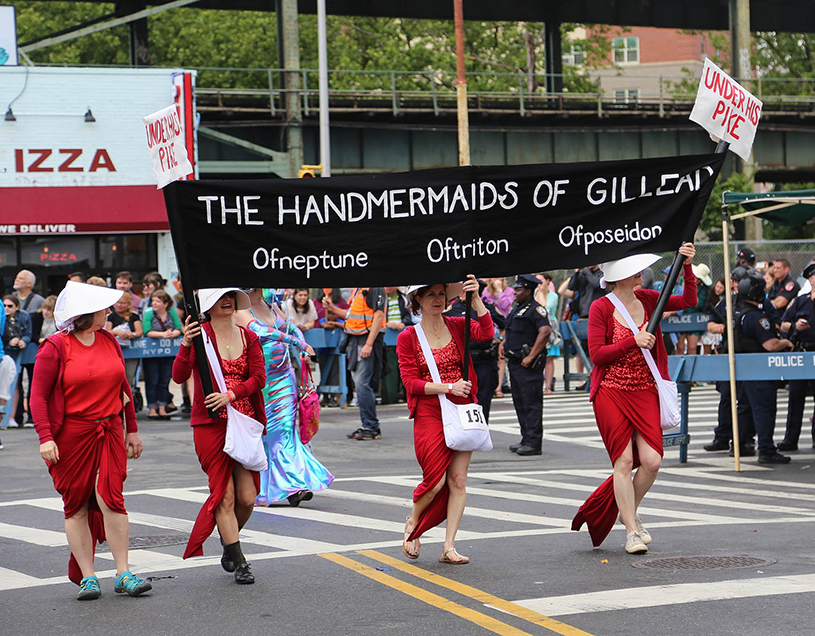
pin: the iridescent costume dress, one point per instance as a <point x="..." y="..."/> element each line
<point x="292" y="466"/>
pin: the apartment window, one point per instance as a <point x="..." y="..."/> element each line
<point x="574" y="55"/>
<point x="626" y="50"/>
<point x="626" y="96"/>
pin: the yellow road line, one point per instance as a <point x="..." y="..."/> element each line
<point x="478" y="595"/>
<point x="482" y="620"/>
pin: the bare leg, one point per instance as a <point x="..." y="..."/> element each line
<point x="117" y="532"/>
<point x="624" y="488"/>
<point x="502" y="370"/>
<point x="650" y="461"/>
<point x="422" y="503"/>
<point x="457" y="484"/>
<point x="80" y="540"/>
<point x="548" y="374"/>
<point x="15" y="401"/>
<point x="225" y="516"/>
<point x="693" y="345"/>
<point x="245" y="494"/>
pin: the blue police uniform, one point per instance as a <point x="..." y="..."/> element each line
<point x="801" y="307"/>
<point x="757" y="398"/>
<point x="786" y="288"/>
<point x="523" y="324"/>
<point x="723" y="433"/>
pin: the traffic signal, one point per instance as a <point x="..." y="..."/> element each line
<point x="308" y="171"/>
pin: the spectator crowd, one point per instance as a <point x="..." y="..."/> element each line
<point x="364" y="315"/>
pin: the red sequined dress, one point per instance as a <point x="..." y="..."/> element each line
<point x="235" y="372"/>
<point x="629" y="372"/>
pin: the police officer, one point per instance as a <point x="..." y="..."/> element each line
<point x="798" y="321"/>
<point x="525" y="350"/>
<point x="483" y="354"/>
<point x="784" y="290"/>
<point x="723" y="433"/>
<point x="756" y="333"/>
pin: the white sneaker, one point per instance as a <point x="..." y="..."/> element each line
<point x="12" y="423"/>
<point x="644" y="534"/>
<point x="634" y="544"/>
<point x="354" y="402"/>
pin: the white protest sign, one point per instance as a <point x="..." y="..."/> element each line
<point x="165" y="138"/>
<point x="726" y="110"/>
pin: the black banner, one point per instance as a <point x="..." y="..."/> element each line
<point x="434" y="225"/>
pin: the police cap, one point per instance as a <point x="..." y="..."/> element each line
<point x="809" y="271"/>
<point x="748" y="255"/>
<point x="527" y="280"/>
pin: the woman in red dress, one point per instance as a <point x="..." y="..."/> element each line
<point x="442" y="493"/>
<point x="625" y="398"/>
<point x="232" y="487"/>
<point x="78" y="392"/>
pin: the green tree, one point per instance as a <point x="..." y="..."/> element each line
<point x="711" y="223"/>
<point x="501" y="56"/>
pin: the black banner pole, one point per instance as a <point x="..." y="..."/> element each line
<point x="468" y="304"/>
<point x="673" y="274"/>
<point x="190" y="302"/>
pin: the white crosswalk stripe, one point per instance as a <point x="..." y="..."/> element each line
<point x="522" y="500"/>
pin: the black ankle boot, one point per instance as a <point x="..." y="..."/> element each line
<point x="226" y="561"/>
<point x="243" y="575"/>
<point x="232" y="556"/>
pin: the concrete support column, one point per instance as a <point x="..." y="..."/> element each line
<point x="287" y="17"/>
<point x="554" y="58"/>
<point x="137" y="32"/>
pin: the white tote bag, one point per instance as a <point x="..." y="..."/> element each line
<point x="244" y="441"/>
<point x="669" y="413"/>
<point x="465" y="428"/>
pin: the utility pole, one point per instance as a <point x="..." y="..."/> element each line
<point x="461" y="87"/>
<point x="287" y="14"/>
<point x="742" y="72"/>
<point x="322" y="53"/>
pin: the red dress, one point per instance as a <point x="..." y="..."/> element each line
<point x="246" y="377"/>
<point x="432" y="452"/>
<point x="91" y="381"/>
<point x="625" y="402"/>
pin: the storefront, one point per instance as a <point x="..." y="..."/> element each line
<point x="77" y="192"/>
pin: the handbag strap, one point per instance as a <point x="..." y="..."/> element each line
<point x="428" y="354"/>
<point x="431" y="361"/>
<point x="306" y="379"/>
<point x="618" y="304"/>
<point x="214" y="364"/>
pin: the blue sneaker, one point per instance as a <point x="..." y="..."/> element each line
<point x="89" y="589"/>
<point x="129" y="583"/>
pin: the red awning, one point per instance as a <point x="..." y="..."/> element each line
<point x="82" y="210"/>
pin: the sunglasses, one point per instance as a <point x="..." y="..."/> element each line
<point x="9" y="305"/>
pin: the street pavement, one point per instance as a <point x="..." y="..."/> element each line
<point x="334" y="565"/>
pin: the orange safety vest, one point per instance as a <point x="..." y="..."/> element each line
<point x="359" y="317"/>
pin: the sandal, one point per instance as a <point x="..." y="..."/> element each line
<point x="89" y="589"/>
<point x="461" y="560"/>
<point x="499" y="393"/>
<point x="130" y="584"/>
<point x="410" y="554"/>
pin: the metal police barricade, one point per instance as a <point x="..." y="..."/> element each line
<point x="677" y="365"/>
<point x="332" y="340"/>
<point x="332" y="343"/>
<point x="139" y="348"/>
<point x="796" y="365"/>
